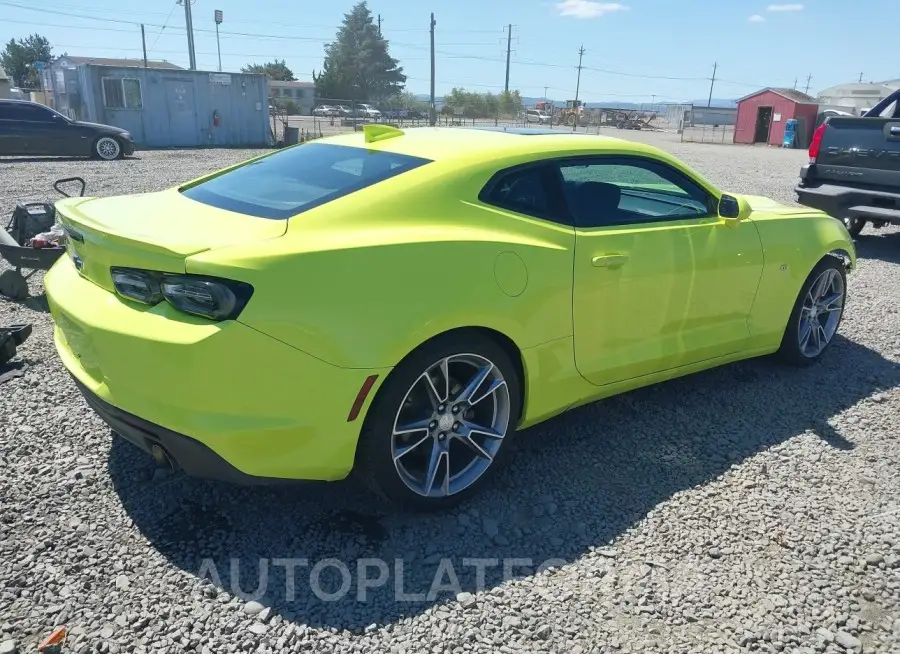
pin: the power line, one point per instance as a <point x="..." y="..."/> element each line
<point x="171" y="11"/>
<point x="72" y="27"/>
<point x="230" y="20"/>
<point x="166" y="29"/>
<point x="641" y="76"/>
<point x="65" y="13"/>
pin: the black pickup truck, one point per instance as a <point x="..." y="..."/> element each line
<point x="853" y="172"/>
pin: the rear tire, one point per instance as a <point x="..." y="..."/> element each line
<point x="817" y="314"/>
<point x="424" y="446"/>
<point x="854" y="225"/>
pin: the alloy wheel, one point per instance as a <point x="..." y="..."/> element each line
<point x="108" y="148"/>
<point x="450" y="425"/>
<point x="821" y="313"/>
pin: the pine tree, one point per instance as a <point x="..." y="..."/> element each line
<point x="357" y="63"/>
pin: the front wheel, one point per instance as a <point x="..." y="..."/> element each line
<point x="441" y="424"/>
<point x="107" y="148"/>
<point x="816" y="315"/>
<point x="854" y="225"/>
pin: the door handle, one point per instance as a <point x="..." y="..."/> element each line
<point x="610" y="260"/>
<point x="895" y="130"/>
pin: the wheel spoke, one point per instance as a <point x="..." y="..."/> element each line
<point x="818" y="289"/>
<point x="493" y="388"/>
<point x="475" y="383"/>
<point x="822" y="336"/>
<point x="438" y="459"/>
<point x="475" y="447"/>
<point x="814" y="337"/>
<point x="473" y="428"/>
<point x="805" y="333"/>
<point x="400" y="452"/>
<point x="439" y="396"/>
<point x="833" y="302"/>
<point x="412" y="427"/>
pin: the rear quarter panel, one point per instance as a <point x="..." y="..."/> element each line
<point x="794" y="241"/>
<point x="363" y="280"/>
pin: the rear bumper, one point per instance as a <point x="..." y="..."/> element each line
<point x="841" y="201"/>
<point x="184" y="453"/>
<point x="230" y="401"/>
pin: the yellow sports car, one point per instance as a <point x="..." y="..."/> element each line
<point x="398" y="303"/>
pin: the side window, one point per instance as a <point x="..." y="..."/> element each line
<point x="611" y="191"/>
<point x="30" y="112"/>
<point x="523" y="190"/>
<point x="119" y="93"/>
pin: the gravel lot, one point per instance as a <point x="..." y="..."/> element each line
<point x="750" y="508"/>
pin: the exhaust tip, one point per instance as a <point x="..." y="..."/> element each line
<point x="161" y="456"/>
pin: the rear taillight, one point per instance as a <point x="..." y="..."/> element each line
<point x="208" y="297"/>
<point x="816" y="142"/>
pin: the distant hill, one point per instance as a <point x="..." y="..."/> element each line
<point x="612" y="104"/>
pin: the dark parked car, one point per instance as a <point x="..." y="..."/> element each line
<point x="31" y="129"/>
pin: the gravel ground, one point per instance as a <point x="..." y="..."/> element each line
<point x="750" y="508"/>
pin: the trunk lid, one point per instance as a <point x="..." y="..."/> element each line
<point x="154" y="231"/>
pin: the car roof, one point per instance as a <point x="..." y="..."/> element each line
<point x="444" y="143"/>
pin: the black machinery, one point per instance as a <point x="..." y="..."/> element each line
<point x="22" y="250"/>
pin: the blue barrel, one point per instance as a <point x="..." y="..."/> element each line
<point x="790" y="133"/>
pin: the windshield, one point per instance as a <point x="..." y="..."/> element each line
<point x="299" y="178"/>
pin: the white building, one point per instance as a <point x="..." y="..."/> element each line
<point x="857" y="97"/>
<point x="302" y="93"/>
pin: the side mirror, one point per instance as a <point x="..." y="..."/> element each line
<point x="733" y="210"/>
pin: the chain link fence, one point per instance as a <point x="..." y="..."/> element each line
<point x="330" y="116"/>
<point x="709" y="125"/>
<point x="708" y="134"/>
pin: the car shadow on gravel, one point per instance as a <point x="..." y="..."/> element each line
<point x="574" y="484"/>
<point x="884" y="246"/>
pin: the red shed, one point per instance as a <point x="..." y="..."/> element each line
<point x="761" y="116"/>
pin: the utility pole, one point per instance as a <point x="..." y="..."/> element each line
<point x="144" y="44"/>
<point x="712" y="83"/>
<point x="217" y="16"/>
<point x="508" y="46"/>
<point x="860" y="78"/>
<point x="577" y="87"/>
<point x="379" y="26"/>
<point x="795" y="83"/>
<point x="433" y="117"/>
<point x="806" y="90"/>
<point x="189" y="26"/>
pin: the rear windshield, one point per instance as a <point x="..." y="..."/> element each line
<point x="299" y="178"/>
